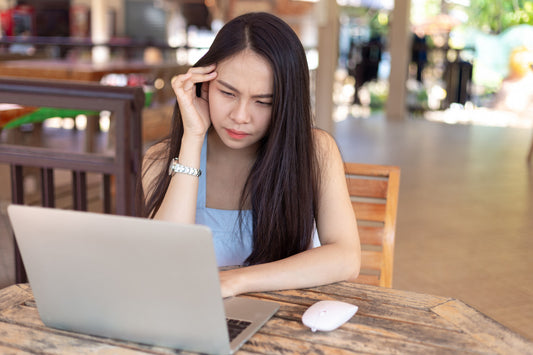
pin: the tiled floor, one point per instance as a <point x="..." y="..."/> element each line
<point x="465" y="221"/>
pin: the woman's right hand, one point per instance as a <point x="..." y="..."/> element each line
<point x="194" y="110"/>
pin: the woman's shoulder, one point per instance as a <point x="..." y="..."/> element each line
<point x="328" y="156"/>
<point x="325" y="144"/>
<point x="321" y="136"/>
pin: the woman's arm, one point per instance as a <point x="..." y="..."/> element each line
<point x="179" y="202"/>
<point x="338" y="258"/>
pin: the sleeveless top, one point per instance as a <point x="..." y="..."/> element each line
<point x="231" y="247"/>
<point x="232" y="242"/>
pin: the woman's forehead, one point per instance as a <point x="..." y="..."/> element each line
<point x="246" y="69"/>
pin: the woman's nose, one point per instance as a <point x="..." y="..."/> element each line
<point x="240" y="112"/>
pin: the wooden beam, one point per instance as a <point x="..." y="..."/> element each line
<point x="399" y="49"/>
<point x="328" y="43"/>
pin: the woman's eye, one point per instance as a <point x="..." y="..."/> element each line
<point x="227" y="93"/>
<point x="264" y="103"/>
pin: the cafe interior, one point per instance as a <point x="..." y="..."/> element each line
<point x="463" y="227"/>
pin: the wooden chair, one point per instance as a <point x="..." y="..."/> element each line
<point x="123" y="165"/>
<point x="374" y="193"/>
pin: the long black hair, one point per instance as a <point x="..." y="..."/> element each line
<point x="283" y="183"/>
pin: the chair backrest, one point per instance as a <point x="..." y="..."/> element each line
<point x="374" y="193"/>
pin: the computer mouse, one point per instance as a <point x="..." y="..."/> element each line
<point x="328" y="315"/>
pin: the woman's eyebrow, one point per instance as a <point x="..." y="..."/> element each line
<point x="232" y="88"/>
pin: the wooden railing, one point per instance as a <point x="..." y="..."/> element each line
<point x="126" y="105"/>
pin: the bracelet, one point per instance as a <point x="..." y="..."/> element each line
<point x="176" y="167"/>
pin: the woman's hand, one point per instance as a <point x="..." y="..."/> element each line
<point x="194" y="109"/>
<point x="229" y="281"/>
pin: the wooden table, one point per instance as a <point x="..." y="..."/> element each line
<point x="388" y="322"/>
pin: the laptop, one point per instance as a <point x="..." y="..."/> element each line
<point x="132" y="279"/>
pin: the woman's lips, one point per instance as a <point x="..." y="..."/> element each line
<point x="236" y="134"/>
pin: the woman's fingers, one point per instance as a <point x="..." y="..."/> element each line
<point x="193" y="76"/>
<point x="199" y="73"/>
<point x="194" y="110"/>
<point x="178" y="82"/>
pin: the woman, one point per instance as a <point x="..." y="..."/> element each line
<point x="251" y="167"/>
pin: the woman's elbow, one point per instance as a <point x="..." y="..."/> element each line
<point x="353" y="263"/>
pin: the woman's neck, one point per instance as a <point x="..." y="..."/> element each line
<point x="226" y="173"/>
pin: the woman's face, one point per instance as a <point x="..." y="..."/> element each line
<point x="240" y="99"/>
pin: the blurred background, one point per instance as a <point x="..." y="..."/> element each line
<point x="441" y="88"/>
<point x="468" y="60"/>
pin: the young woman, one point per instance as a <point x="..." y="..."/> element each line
<point x="244" y="159"/>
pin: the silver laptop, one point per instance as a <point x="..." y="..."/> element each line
<point x="133" y="279"/>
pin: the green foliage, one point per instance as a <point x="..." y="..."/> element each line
<point x="376" y="20"/>
<point x="494" y="16"/>
<point x="379" y="24"/>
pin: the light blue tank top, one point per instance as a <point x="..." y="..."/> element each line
<point x="231" y="248"/>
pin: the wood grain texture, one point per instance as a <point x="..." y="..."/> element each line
<point x="374" y="193"/>
<point x="14" y="295"/>
<point x="483" y="328"/>
<point x="8" y="350"/>
<point x="388" y="322"/>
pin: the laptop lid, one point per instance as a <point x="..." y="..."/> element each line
<point x="128" y="278"/>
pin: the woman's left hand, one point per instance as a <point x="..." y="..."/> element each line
<point x="228" y="283"/>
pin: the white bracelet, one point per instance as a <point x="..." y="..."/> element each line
<point x="176" y="167"/>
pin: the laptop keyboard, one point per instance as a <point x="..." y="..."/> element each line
<point x="235" y="327"/>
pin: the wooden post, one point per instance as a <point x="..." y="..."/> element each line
<point x="99" y="31"/>
<point x="328" y="39"/>
<point x="399" y="50"/>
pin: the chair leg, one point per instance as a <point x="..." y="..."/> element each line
<point x="47" y="187"/>
<point x="79" y="190"/>
<point x="17" y="197"/>
<point x="107" y="193"/>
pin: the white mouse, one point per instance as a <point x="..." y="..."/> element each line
<point x="328" y="315"/>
